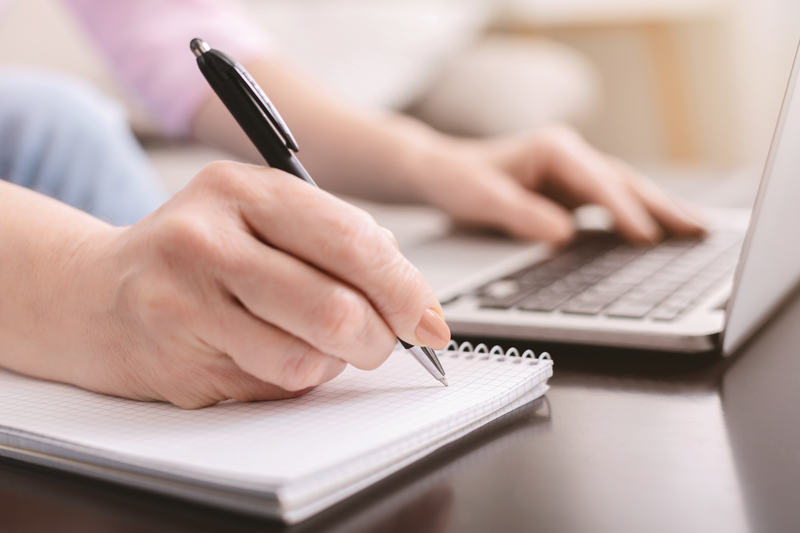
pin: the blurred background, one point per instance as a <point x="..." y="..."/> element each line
<point x="681" y="88"/>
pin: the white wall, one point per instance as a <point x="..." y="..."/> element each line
<point x="766" y="35"/>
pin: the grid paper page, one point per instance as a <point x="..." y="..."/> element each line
<point x="340" y="431"/>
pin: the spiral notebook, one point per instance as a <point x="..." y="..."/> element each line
<point x="287" y="459"/>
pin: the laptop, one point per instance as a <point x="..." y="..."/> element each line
<point x="690" y="296"/>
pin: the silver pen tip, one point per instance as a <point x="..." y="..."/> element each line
<point x="199" y="47"/>
<point x="443" y="381"/>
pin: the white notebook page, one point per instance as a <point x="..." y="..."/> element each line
<point x="338" y="433"/>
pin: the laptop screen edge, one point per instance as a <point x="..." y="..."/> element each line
<point x="728" y="343"/>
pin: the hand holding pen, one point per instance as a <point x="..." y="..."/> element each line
<point x="266" y="129"/>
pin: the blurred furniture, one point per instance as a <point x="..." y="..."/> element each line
<point x="656" y="19"/>
<point x="431" y="57"/>
<point x="377" y="55"/>
<point x="584" y="12"/>
<point x="504" y="84"/>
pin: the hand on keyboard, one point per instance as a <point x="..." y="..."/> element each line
<point x="527" y="185"/>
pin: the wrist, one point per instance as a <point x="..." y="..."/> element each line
<point x="416" y="152"/>
<point x="80" y="318"/>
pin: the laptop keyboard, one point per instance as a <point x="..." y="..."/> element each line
<point x="602" y="275"/>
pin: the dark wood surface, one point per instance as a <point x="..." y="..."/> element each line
<point x="622" y="442"/>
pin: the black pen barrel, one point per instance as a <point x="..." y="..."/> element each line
<point x="259" y="130"/>
<point x="255" y="124"/>
<point x="294" y="167"/>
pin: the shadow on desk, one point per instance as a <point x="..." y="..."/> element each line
<point x="760" y="396"/>
<point x="418" y="498"/>
<point x="624" y="368"/>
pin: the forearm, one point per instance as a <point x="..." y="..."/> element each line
<point x="44" y="245"/>
<point x="347" y="151"/>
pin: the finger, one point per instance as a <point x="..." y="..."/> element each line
<point x="391" y="237"/>
<point x="231" y="382"/>
<point x="221" y="379"/>
<point x="268" y="353"/>
<point x="574" y="168"/>
<point x="345" y="242"/>
<point x="309" y="304"/>
<point x="506" y="205"/>
<point x="672" y="216"/>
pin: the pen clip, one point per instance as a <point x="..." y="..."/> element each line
<point x="261" y="99"/>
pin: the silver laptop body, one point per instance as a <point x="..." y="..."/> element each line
<point x="503" y="289"/>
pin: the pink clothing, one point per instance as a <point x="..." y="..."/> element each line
<point x="146" y="43"/>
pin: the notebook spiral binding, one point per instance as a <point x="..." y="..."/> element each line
<point x="453" y="349"/>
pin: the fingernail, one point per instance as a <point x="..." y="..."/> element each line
<point x="432" y="330"/>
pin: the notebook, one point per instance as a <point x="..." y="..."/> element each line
<point x="287" y="459"/>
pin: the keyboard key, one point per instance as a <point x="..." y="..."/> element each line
<point x="537" y="277"/>
<point x="594" y="295"/>
<point x="629" y="310"/>
<point x="582" y="279"/>
<point x="562" y="287"/>
<point x="647" y="295"/>
<point x="505" y="302"/>
<point x="502" y="288"/>
<point x="544" y="302"/>
<point x="681" y="300"/>
<point x="666" y="313"/>
<point x="588" y="307"/>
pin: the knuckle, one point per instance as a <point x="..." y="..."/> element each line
<point x="352" y="235"/>
<point x="304" y="370"/>
<point x="227" y="179"/>
<point x="179" y="233"/>
<point x="192" y="402"/>
<point x="218" y="173"/>
<point x="391" y="236"/>
<point x="341" y="319"/>
<point x="554" y="140"/>
<point x="187" y="239"/>
<point x="408" y="288"/>
<point x="364" y="245"/>
<point x="215" y="176"/>
<point x="246" y="388"/>
<point x="405" y="288"/>
<point x="377" y="358"/>
<point x="192" y="388"/>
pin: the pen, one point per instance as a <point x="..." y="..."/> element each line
<point x="266" y="129"/>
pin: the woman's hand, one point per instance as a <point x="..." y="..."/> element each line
<point x="526" y="185"/>
<point x="248" y="284"/>
<point x="523" y="185"/>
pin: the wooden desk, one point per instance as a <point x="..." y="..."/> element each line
<point x="659" y="448"/>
